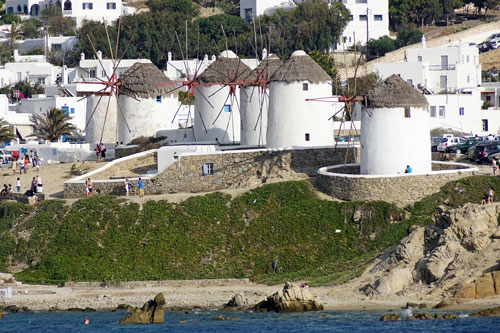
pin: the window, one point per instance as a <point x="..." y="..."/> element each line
<point x="10" y="10"/>
<point x="468" y="78"/>
<point x="461" y="111"/>
<point x="410" y="82"/>
<point x="352" y="17"/>
<point x="378" y="18"/>
<point x="361" y="1"/>
<point x="442" y="111"/>
<point x="72" y="111"/>
<point x="433" y="111"/>
<point x="443" y="82"/>
<point x="208" y="169"/>
<point x="305" y="86"/>
<point x="67" y="5"/>
<point x="248" y="14"/>
<point x="158" y="99"/>
<point x="419" y="58"/>
<point x="227" y="108"/>
<point x="308" y="138"/>
<point x="363" y="18"/>
<point x="41" y="80"/>
<point x="92" y="73"/>
<point x="484" y="125"/>
<point x="185" y="135"/>
<point x="407" y="113"/>
<point x="65" y="109"/>
<point x="444" y="62"/>
<point x="87" y="5"/>
<point x="111" y="5"/>
<point x="468" y="60"/>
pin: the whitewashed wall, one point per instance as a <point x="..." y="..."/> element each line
<point x="291" y="116"/>
<point x="225" y="128"/>
<point x="96" y="123"/>
<point x="390" y="141"/>
<point x="254" y="110"/>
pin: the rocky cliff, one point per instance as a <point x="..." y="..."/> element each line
<point x="456" y="257"/>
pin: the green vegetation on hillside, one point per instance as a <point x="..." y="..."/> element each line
<point x="282" y="225"/>
<point x="211" y="236"/>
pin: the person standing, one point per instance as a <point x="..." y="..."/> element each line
<point x="102" y="149"/>
<point x="38" y="163"/>
<point x="88" y="188"/>
<point x="26" y="163"/>
<point x="39" y="185"/>
<point x="14" y="165"/>
<point x="127" y="186"/>
<point x="18" y="185"/>
<point x="33" y="184"/>
<point x="98" y="153"/>
<point x="140" y="184"/>
<point x="22" y="167"/>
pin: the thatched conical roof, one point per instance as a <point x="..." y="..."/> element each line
<point x="142" y="80"/>
<point x="395" y="92"/>
<point x="266" y="68"/>
<point x="300" y="67"/>
<point x="228" y="67"/>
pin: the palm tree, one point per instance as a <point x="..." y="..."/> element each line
<point x="52" y="125"/>
<point x="6" y="131"/>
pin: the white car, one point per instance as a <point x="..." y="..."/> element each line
<point x="446" y="142"/>
<point x="4" y="156"/>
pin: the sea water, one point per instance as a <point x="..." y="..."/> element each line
<point x="204" y="321"/>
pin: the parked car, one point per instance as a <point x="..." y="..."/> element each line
<point x="434" y="143"/>
<point x="485" y="47"/>
<point x="496" y="35"/>
<point x="461" y="147"/>
<point x="348" y="138"/>
<point x="485" y="149"/>
<point x="446" y="142"/>
<point x="5" y="156"/>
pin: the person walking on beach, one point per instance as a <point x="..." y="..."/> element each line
<point x="38" y="163"/>
<point x="18" y="185"/>
<point x="88" y="188"/>
<point x="127" y="186"/>
<point x="14" y="165"/>
<point x="140" y="184"/>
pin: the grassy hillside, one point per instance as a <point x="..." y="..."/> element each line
<point x="212" y="236"/>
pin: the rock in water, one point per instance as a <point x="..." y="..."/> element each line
<point x="1" y="314"/>
<point x="390" y="317"/>
<point x="291" y="299"/>
<point x="237" y="302"/>
<point x="493" y="312"/>
<point x="151" y="312"/>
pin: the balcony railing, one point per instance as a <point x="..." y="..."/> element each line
<point x="67" y="12"/>
<point x="442" y="68"/>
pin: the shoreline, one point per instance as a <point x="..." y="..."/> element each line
<point x="205" y="295"/>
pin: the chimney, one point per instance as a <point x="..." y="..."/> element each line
<point x="82" y="56"/>
<point x="264" y="53"/>
<point x="214" y="58"/>
<point x="169" y="56"/>
<point x="424" y="44"/>
<point x="64" y="75"/>
<point x="99" y="55"/>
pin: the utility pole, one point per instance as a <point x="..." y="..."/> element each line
<point x="367" y="30"/>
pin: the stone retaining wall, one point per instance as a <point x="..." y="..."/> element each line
<point x="231" y="169"/>
<point x="20" y="197"/>
<point x="158" y="284"/>
<point x="399" y="189"/>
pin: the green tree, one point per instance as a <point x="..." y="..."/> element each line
<point x="229" y="7"/>
<point x="408" y="36"/>
<point x="9" y="18"/>
<point x="31" y="28"/>
<point x="5" y="54"/>
<point x="326" y="61"/>
<point x="61" y="26"/>
<point x="52" y="125"/>
<point x="49" y="12"/>
<point x="25" y="88"/>
<point x="379" y="47"/>
<point x="6" y="131"/>
<point x="485" y="4"/>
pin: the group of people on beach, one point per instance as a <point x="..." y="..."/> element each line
<point x="25" y="161"/>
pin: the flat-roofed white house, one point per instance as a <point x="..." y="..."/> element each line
<point x="79" y="10"/>
<point x="450" y="78"/>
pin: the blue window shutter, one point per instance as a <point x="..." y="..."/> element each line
<point x="72" y="110"/>
<point x="65" y="109"/>
<point x="205" y="169"/>
<point x="91" y="5"/>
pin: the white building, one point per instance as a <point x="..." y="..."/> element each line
<point x="450" y="77"/>
<point x="438" y="69"/>
<point x="395" y="130"/>
<point x="369" y="18"/>
<point x="292" y="120"/>
<point x="254" y="98"/>
<point x="33" y="72"/>
<point x="217" y="117"/>
<point x="147" y="105"/>
<point x="79" y="10"/>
